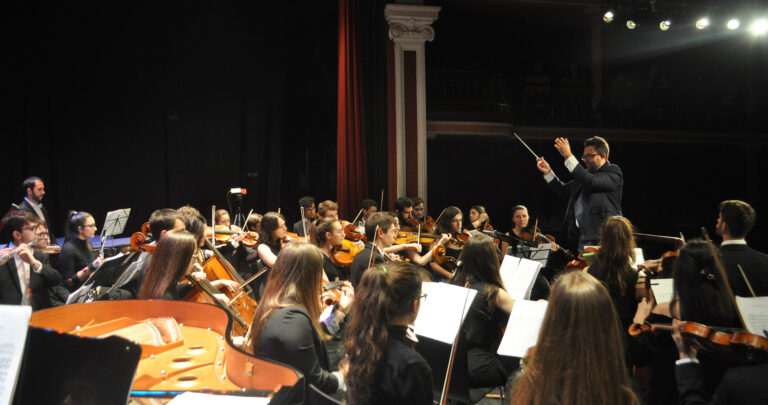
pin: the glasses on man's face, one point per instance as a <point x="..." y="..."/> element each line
<point x="588" y="156"/>
<point x="29" y="228"/>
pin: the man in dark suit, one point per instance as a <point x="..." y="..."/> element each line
<point x="34" y="190"/>
<point x="735" y="220"/>
<point x="27" y="274"/>
<point x="308" y="203"/>
<point x="594" y="194"/>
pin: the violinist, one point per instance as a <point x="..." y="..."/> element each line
<point x="273" y="231"/>
<point x="77" y="260"/>
<point x="370" y="207"/>
<point x="308" y="203"/>
<point x="380" y="366"/>
<point x="380" y="228"/>
<point x="254" y="223"/>
<point x="239" y="255"/>
<point x="327" y="234"/>
<point x="488" y="315"/>
<point x="734" y="222"/>
<point x="478" y="217"/>
<point x="594" y="194"/>
<point x="171" y="261"/>
<point x="523" y="227"/>
<point x="578" y="357"/>
<point x="328" y="209"/>
<point x="403" y="208"/>
<point x="286" y="324"/>
<point x="412" y="251"/>
<point x="221" y="217"/>
<point x="450" y="223"/>
<point x="26" y="274"/>
<point x="418" y="209"/>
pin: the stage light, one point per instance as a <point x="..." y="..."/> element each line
<point x="664" y="25"/>
<point x="608" y="16"/>
<point x="733" y="24"/>
<point x="759" y="27"/>
<point x="702" y="23"/>
<point x="631" y="24"/>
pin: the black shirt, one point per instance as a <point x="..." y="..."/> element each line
<point x="361" y="262"/>
<point x="404" y="377"/>
<point x="331" y="271"/>
<point x="75" y="255"/>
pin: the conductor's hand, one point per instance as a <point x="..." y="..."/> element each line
<point x="562" y="146"/>
<point x="543" y="165"/>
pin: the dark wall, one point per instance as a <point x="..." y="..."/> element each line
<point x="157" y="104"/>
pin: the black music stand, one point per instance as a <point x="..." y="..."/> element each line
<point x="114" y="224"/>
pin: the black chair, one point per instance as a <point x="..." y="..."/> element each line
<point x="317" y="397"/>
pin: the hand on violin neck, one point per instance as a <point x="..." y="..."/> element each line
<point x="685" y="351"/>
<point x="444" y="238"/>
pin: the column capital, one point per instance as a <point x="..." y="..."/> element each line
<point x="410" y="23"/>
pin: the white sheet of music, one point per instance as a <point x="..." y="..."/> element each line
<point x="662" y="289"/>
<point x="518" y="276"/>
<point x="13" y="337"/>
<point x="639" y="259"/>
<point x="195" y="398"/>
<point x="754" y="310"/>
<point x="443" y="310"/>
<point x="523" y="327"/>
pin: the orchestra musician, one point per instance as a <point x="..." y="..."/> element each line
<point x="34" y="191"/>
<point x="478" y="217"/>
<point x="254" y="223"/>
<point x="328" y="209"/>
<point x="380" y="366"/>
<point x="578" y="357"/>
<point x="76" y="259"/>
<point x="418" y="212"/>
<point x="403" y="208"/>
<point x="412" y="251"/>
<point x="450" y="222"/>
<point x="286" y="325"/>
<point x="221" y="217"/>
<point x="593" y="195"/>
<point x="27" y="274"/>
<point x="521" y="219"/>
<point x="735" y="220"/>
<point x="370" y="207"/>
<point x="308" y="203"/>
<point x="327" y="234"/>
<point x="488" y="315"/>
<point x="172" y="260"/>
<point x="380" y="228"/>
<point x="273" y="231"/>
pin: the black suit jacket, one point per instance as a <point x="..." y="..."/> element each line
<point x="742" y="385"/>
<point x="24" y="205"/>
<point x="602" y="196"/>
<point x="754" y="264"/>
<point x="10" y="285"/>
<point x="298" y="229"/>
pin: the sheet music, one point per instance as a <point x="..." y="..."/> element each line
<point x="639" y="259"/>
<point x="662" y="289"/>
<point x="13" y="337"/>
<point x="195" y="398"/>
<point x="443" y="310"/>
<point x="523" y="327"/>
<point x="518" y="276"/>
<point x="754" y="310"/>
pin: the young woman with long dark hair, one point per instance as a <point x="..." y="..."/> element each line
<point x="273" y="231"/>
<point x="380" y="366"/>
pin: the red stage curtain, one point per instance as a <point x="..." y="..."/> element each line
<point x="351" y="170"/>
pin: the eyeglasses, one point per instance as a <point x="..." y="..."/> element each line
<point x="588" y="156"/>
<point x="30" y="228"/>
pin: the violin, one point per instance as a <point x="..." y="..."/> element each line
<point x="441" y="257"/>
<point x="428" y="223"/>
<point x="581" y="262"/>
<point x="344" y="255"/>
<point x="226" y="234"/>
<point x="414" y="237"/>
<point x="293" y="237"/>
<point x="352" y="233"/>
<point x="334" y="292"/>
<point x="139" y="240"/>
<point x="739" y="345"/>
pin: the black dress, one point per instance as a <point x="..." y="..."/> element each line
<point x="75" y="255"/>
<point x="404" y="377"/>
<point x="331" y="270"/>
<point x="483" y="329"/>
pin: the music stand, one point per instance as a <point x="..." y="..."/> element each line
<point x="114" y="224"/>
<point x="538" y="253"/>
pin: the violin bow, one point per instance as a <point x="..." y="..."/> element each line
<point x="357" y="216"/>
<point x="373" y="254"/>
<point x="532" y="152"/>
<point x="303" y="224"/>
<point x="723" y="276"/>
<point x="439" y="216"/>
<point x="213" y="225"/>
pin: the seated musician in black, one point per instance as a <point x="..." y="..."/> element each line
<point x="286" y="325"/>
<point x="403" y="208"/>
<point x="308" y="203"/>
<point x="327" y="234"/>
<point x="379" y="228"/>
<point x="76" y="260"/>
<point x="237" y="254"/>
<point x="370" y="207"/>
<point x="171" y="261"/>
<point x="451" y="223"/>
<point x="381" y="366"/>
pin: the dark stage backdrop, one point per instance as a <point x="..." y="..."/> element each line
<point x="159" y="104"/>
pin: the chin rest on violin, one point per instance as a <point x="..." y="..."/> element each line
<point x="202" y="357"/>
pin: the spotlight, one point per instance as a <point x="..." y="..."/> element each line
<point x="608" y="16"/>
<point x="631" y="24"/>
<point x="702" y="23"/>
<point x="759" y="27"/>
<point x="664" y="25"/>
<point x="733" y="24"/>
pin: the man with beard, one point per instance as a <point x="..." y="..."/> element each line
<point x="593" y="195"/>
<point x="34" y="190"/>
